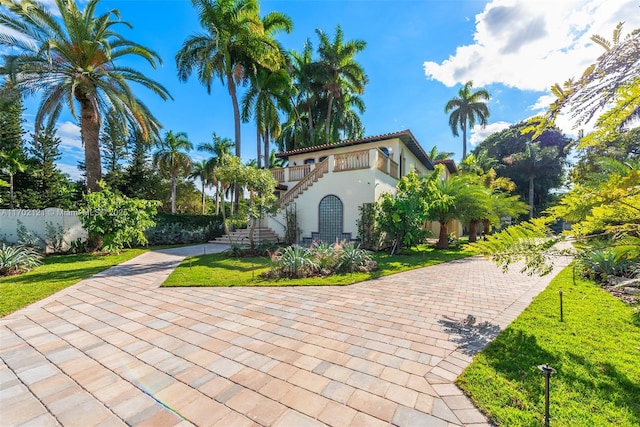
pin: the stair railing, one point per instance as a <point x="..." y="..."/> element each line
<point x="317" y="173"/>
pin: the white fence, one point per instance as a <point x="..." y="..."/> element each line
<point x="36" y="221"/>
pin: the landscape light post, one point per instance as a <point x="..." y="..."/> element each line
<point x="547" y="371"/>
<point x="561" y="310"/>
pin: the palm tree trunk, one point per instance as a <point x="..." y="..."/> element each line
<point x="464" y="140"/>
<point x="202" y="196"/>
<point x="486" y="228"/>
<point x="231" y="85"/>
<point x="530" y="196"/>
<point x="259" y="143"/>
<point x="218" y="198"/>
<point x="173" y="194"/>
<point x="266" y="149"/>
<point x="327" y="125"/>
<point x="443" y="237"/>
<point x="473" y="230"/>
<point x="90" y="132"/>
<point x="309" y="118"/>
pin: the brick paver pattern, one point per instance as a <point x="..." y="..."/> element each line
<point x="117" y="349"/>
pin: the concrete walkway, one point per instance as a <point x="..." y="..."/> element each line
<point x="116" y="349"/>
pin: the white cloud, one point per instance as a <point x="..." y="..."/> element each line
<point x="71" y="170"/>
<point x="532" y="45"/>
<point x="69" y="134"/>
<point x="478" y="134"/>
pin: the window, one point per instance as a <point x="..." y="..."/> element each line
<point x="309" y="161"/>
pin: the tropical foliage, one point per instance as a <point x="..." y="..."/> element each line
<point x="535" y="166"/>
<point x="118" y="219"/>
<point x="321" y="259"/>
<point x="325" y="100"/>
<point x="611" y="82"/>
<point x="401" y="216"/>
<point x="234" y="44"/>
<point x="15" y="259"/>
<point x="603" y="203"/>
<point x="85" y="74"/>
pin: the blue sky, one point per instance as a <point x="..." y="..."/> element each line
<point x="417" y="55"/>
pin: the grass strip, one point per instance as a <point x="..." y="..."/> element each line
<point x="596" y="352"/>
<point x="220" y="270"/>
<point x="56" y="273"/>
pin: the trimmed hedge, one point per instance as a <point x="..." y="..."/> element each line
<point x="184" y="228"/>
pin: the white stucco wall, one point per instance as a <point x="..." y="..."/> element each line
<point x="354" y="187"/>
<point x="36" y="221"/>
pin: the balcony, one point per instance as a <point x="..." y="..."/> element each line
<point x="343" y="162"/>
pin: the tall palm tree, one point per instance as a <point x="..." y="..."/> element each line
<point x="172" y="160"/>
<point x="73" y="59"/>
<point x="264" y="98"/>
<point x="12" y="162"/>
<point x="467" y="108"/>
<point x="201" y="170"/>
<point x="234" y="42"/>
<point x="339" y="70"/>
<point x="218" y="149"/>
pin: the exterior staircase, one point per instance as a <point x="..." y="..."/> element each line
<point x="241" y="237"/>
<point x="306" y="182"/>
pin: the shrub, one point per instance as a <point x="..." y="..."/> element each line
<point x="321" y="259"/>
<point x="174" y="234"/>
<point x="54" y="236"/>
<point x="117" y="218"/>
<point x="17" y="258"/>
<point x="352" y="258"/>
<point x="599" y="264"/>
<point x="172" y="229"/>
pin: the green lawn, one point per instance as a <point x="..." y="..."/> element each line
<point x="56" y="273"/>
<point x="596" y="351"/>
<point x="220" y="270"/>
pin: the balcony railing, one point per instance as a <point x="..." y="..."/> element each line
<point x="386" y="165"/>
<point x="296" y="173"/>
<point x="351" y="161"/>
<point x="278" y="174"/>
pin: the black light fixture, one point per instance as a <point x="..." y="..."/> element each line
<point x="561" y="309"/>
<point x="547" y="371"/>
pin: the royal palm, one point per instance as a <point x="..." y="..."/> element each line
<point x="467" y="109"/>
<point x="73" y="59"/>
<point x="338" y="70"/>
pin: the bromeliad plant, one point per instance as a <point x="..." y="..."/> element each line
<point x="18" y="258"/>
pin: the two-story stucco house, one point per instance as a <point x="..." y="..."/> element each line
<point x="328" y="184"/>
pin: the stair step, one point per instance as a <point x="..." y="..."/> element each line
<point x="241" y="237"/>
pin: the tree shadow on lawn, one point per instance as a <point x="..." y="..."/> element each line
<point x="611" y="384"/>
<point x="516" y="355"/>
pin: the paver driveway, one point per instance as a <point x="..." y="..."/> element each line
<point x="116" y="349"/>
